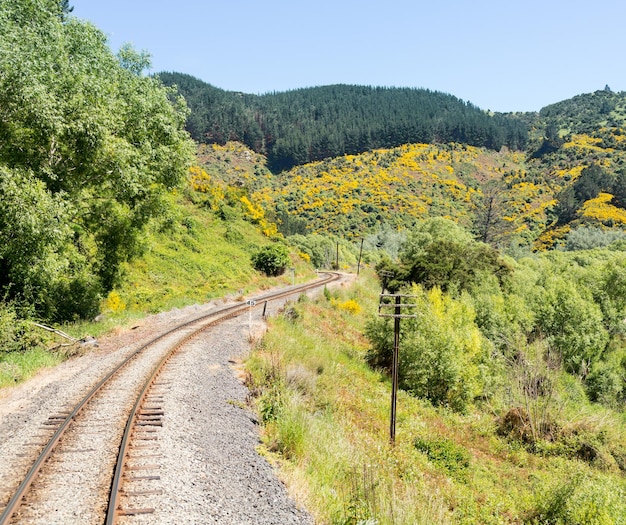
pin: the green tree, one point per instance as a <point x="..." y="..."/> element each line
<point x="39" y="263"/>
<point x="272" y="259"/>
<point x="432" y="230"/>
<point x="618" y="190"/>
<point x="96" y="138"/>
<point x="572" y="323"/>
<point x="588" y="185"/>
<point x="133" y="61"/>
<point x="441" y="349"/>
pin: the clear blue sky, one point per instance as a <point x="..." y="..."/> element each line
<point x="498" y="54"/>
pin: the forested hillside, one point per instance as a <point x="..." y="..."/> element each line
<point x="351" y="159"/>
<point x="572" y="195"/>
<point x="304" y="125"/>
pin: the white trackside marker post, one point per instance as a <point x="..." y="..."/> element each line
<point x="250" y="305"/>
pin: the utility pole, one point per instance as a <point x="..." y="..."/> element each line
<point x="358" y="267"/>
<point x="397" y="314"/>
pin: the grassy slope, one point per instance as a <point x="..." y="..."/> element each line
<point x="326" y="422"/>
<point x="396" y="186"/>
<point x="195" y="258"/>
<point x="353" y="195"/>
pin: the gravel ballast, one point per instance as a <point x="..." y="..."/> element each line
<point x="210" y="470"/>
<point x="204" y="457"/>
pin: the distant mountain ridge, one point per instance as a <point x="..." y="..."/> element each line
<point x="586" y="112"/>
<point x="309" y="124"/>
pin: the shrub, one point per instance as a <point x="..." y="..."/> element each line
<point x="440" y="350"/>
<point x="453" y="459"/>
<point x="572" y="323"/>
<point x="16" y="335"/>
<point x="454" y="266"/>
<point x="581" y="499"/>
<point x="272" y="260"/>
<point x="350" y="306"/>
<point x="589" y="237"/>
<point x="605" y="383"/>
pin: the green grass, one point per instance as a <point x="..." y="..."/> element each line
<point x="16" y="367"/>
<point x="326" y="423"/>
<point x="198" y="257"/>
<point x="194" y="260"/>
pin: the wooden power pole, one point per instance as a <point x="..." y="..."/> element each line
<point x="397" y="314"/>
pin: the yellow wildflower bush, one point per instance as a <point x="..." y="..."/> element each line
<point x="550" y="237"/>
<point x="600" y="209"/>
<point x="585" y="142"/>
<point x="114" y="303"/>
<point x="350" y="306"/>
<point x="202" y="182"/>
<point x="254" y="212"/>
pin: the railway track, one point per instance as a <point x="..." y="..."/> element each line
<point x="100" y="443"/>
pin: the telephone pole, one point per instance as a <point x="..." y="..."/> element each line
<point x="397" y="314"/>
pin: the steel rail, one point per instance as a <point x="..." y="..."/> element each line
<point x="112" y="511"/>
<point x="223" y="313"/>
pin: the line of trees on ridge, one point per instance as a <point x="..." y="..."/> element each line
<point x="309" y="124"/>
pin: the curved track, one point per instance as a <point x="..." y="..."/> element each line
<point x="190" y="330"/>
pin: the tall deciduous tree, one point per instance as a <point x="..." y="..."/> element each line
<point x="489" y="212"/>
<point x="95" y="137"/>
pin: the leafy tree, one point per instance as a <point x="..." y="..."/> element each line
<point x="454" y="266"/>
<point x="572" y="324"/>
<point x="439" y="253"/>
<point x="96" y="141"/>
<point x="591" y="182"/>
<point x="133" y="61"/>
<point x="551" y="141"/>
<point x="442" y="349"/>
<point x="432" y="230"/>
<point x="618" y="189"/>
<point x="320" y="249"/>
<point x="609" y="290"/>
<point x="387" y="239"/>
<point x="606" y="382"/>
<point x="272" y="260"/>
<point x="40" y="264"/>
<point x="17" y="333"/>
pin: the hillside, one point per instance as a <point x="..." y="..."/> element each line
<point x="326" y="411"/>
<point x="350" y="160"/>
<point x="310" y="124"/>
<point x="587" y="112"/>
<point x="506" y="198"/>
